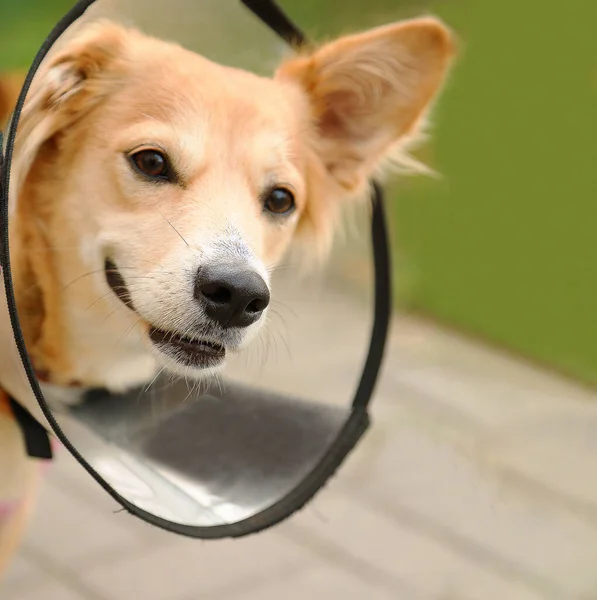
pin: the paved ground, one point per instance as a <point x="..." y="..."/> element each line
<point x="475" y="483"/>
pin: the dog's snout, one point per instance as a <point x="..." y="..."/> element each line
<point x="232" y="296"/>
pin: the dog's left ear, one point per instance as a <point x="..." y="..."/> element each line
<point x="369" y="91"/>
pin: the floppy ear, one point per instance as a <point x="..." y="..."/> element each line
<point x="65" y="88"/>
<point x="69" y="84"/>
<point x="369" y="91"/>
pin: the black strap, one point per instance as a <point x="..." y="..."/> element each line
<point x="37" y="439"/>
<point x="273" y="16"/>
<point x="382" y="299"/>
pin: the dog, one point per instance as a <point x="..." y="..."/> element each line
<point x="153" y="191"/>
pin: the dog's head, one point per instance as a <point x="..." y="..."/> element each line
<point x="160" y="189"/>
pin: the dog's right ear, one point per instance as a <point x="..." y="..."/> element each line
<point x="67" y="87"/>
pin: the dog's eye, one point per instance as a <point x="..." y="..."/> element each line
<point x="279" y="201"/>
<point x="151" y="163"/>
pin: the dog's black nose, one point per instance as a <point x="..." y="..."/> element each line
<point x="231" y="296"/>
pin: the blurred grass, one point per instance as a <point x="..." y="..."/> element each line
<point x="502" y="246"/>
<point x="24" y="25"/>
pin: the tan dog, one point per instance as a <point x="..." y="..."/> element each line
<point x="152" y="191"/>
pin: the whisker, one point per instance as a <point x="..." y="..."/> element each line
<point x="277" y="334"/>
<point x="282" y="305"/>
<point x="112" y="313"/>
<point x="99" y="299"/>
<point x="154" y="379"/>
<point x="279" y="268"/>
<point x="129" y="329"/>
<point x="174" y="228"/>
<point x="81" y="277"/>
<point x="110" y="292"/>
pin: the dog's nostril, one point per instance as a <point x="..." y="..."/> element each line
<point x="217" y="293"/>
<point x="256" y="306"/>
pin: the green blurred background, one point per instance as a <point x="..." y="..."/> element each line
<point x="501" y="246"/>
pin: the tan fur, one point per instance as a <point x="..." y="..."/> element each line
<point x="326" y="121"/>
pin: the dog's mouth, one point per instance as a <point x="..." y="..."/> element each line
<point x="199" y="354"/>
<point x="188" y="352"/>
